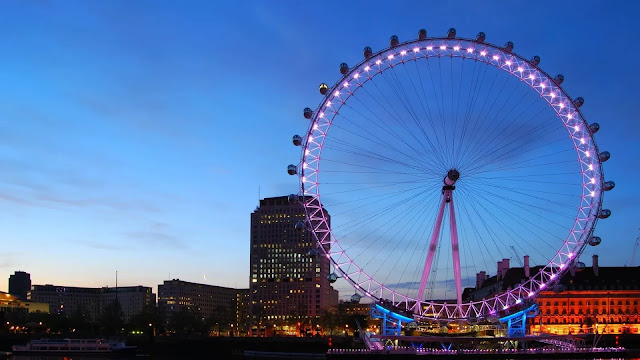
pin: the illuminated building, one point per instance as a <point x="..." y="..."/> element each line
<point x="350" y="308"/>
<point x="585" y="300"/>
<point x="288" y="278"/>
<point x="595" y="299"/>
<point x="203" y="300"/>
<point x="69" y="300"/>
<point x="11" y="303"/>
<point x="20" y="284"/>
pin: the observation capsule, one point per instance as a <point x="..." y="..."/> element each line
<point x="508" y="46"/>
<point x="608" y="185"/>
<point x="307" y="112"/>
<point x="604" y="156"/>
<point x="535" y="60"/>
<point x="580" y="266"/>
<point x="480" y="37"/>
<point x="451" y="33"/>
<point x="297" y="140"/>
<point x="300" y="226"/>
<point x="367" y="52"/>
<point x="604" y="213"/>
<point x="292" y="198"/>
<point x="594" y="128"/>
<point x="578" y="102"/>
<point x="558" y="79"/>
<point x="323" y="88"/>
<point x="595" y="240"/>
<point x="422" y="34"/>
<point x="393" y="41"/>
<point x="292" y="169"/>
<point x="355" y="298"/>
<point x="313" y="253"/>
<point x="332" y="277"/>
<point x="344" y="68"/>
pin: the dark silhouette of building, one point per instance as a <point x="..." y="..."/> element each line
<point x="288" y="276"/>
<point x="90" y="302"/>
<point x="20" y="284"/>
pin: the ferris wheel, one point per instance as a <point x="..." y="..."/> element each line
<point x="431" y="160"/>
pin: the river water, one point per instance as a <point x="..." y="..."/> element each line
<point x="145" y="357"/>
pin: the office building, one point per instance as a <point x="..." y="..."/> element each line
<point x="68" y="300"/>
<point x="133" y="300"/>
<point x="20" y="284"/>
<point x="288" y="278"/>
<point x="90" y="302"/>
<point x="225" y="304"/>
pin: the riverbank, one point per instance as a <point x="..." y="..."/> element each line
<point x="409" y="353"/>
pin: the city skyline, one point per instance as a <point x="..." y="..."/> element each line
<point x="139" y="137"/>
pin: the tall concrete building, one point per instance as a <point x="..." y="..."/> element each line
<point x="20" y="284"/>
<point x="287" y="282"/>
<point x="204" y="300"/>
<point x="67" y="300"/>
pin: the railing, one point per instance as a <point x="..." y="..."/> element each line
<point x="364" y="336"/>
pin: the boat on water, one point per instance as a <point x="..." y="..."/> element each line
<point x="73" y="346"/>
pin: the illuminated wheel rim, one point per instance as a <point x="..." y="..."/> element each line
<point x="342" y="98"/>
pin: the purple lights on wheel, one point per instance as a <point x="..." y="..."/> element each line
<point x="386" y="128"/>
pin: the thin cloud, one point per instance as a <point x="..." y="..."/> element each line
<point x="156" y="239"/>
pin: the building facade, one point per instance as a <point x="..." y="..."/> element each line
<point x="585" y="300"/>
<point x="592" y="300"/>
<point x="203" y="300"/>
<point x="69" y="300"/>
<point x="133" y="300"/>
<point x="11" y="303"/>
<point x="288" y="280"/>
<point x="20" y="284"/>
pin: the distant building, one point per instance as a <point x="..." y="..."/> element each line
<point x="11" y="303"/>
<point x="350" y="308"/>
<point x="133" y="300"/>
<point x="68" y="300"/>
<point x="287" y="283"/>
<point x="20" y="284"/>
<point x="203" y="300"/>
<point x="243" y="311"/>
<point x="90" y="302"/>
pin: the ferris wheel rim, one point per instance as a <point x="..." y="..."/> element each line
<point x="507" y="61"/>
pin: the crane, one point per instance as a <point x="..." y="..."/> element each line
<point x="633" y="253"/>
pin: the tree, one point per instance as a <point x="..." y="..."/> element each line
<point x="187" y="322"/>
<point x="80" y="321"/>
<point x="146" y="321"/>
<point x="111" y="321"/>
<point x="220" y="319"/>
<point x="328" y="321"/>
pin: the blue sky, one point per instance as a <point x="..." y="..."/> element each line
<point x="134" y="135"/>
